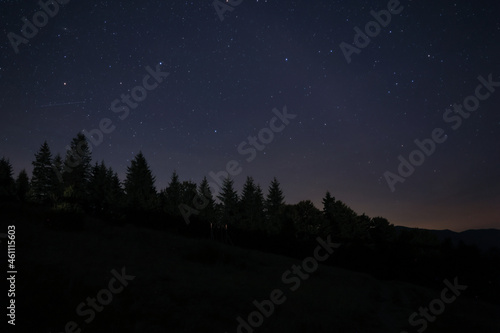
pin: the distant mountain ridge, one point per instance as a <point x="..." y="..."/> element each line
<point x="484" y="239"/>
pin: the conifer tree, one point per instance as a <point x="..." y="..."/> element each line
<point x="171" y="196"/>
<point x="189" y="190"/>
<point x="274" y="205"/>
<point x="206" y="204"/>
<point x="58" y="171"/>
<point x="139" y="185"/>
<point x="330" y="215"/>
<point x="247" y="204"/>
<point x="22" y="186"/>
<point x="105" y="190"/>
<point x="229" y="200"/>
<point x="43" y="180"/>
<point x="259" y="204"/>
<point x="7" y="183"/>
<point x="77" y="168"/>
<point x="251" y="206"/>
<point x="99" y="185"/>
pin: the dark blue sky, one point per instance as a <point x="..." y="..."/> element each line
<point x="353" y="120"/>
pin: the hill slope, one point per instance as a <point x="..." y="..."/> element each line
<point x="190" y="285"/>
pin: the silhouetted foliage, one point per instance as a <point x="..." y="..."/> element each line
<point x="7" y="184"/>
<point x="251" y="206"/>
<point x="229" y="200"/>
<point x="206" y="202"/>
<point x="58" y="170"/>
<point x="274" y="204"/>
<point x="139" y="186"/>
<point x="329" y="213"/>
<point x="77" y="168"/>
<point x="309" y="222"/>
<point x="22" y="186"/>
<point x="44" y="179"/>
<point x="171" y="196"/>
<point x="371" y="245"/>
<point x="105" y="192"/>
<point x="381" y="230"/>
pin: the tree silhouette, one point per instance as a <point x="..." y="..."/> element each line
<point x="58" y="170"/>
<point x="345" y="218"/>
<point x="329" y="213"/>
<point x="201" y="203"/>
<point x="170" y="198"/>
<point x="251" y="206"/>
<point x="309" y="220"/>
<point x="139" y="185"/>
<point x="189" y="190"/>
<point x="22" y="186"/>
<point x="259" y="217"/>
<point x="274" y="204"/>
<point x="77" y="168"/>
<point x="98" y="188"/>
<point x="360" y="227"/>
<point x="247" y="204"/>
<point x="105" y="191"/>
<point x="381" y="230"/>
<point x="206" y="202"/>
<point x="7" y="183"/>
<point x="44" y="179"/>
<point x="229" y="200"/>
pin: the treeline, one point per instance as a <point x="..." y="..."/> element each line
<point x="66" y="191"/>
<point x="73" y="185"/>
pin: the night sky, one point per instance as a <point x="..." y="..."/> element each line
<point x="225" y="77"/>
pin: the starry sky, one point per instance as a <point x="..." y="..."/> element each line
<point x="225" y="77"/>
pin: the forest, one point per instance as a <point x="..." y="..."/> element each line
<point x="65" y="192"/>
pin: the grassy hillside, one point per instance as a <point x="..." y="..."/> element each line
<point x="191" y="285"/>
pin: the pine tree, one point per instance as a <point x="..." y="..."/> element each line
<point x="22" y="186"/>
<point x="229" y="201"/>
<point x="247" y="203"/>
<point x="274" y="206"/>
<point x="329" y="213"/>
<point x="58" y="170"/>
<point x="99" y="185"/>
<point x="206" y="204"/>
<point x="77" y="168"/>
<point x="43" y="180"/>
<point x="259" y="214"/>
<point x="171" y="196"/>
<point x="275" y="199"/>
<point x="252" y="206"/>
<point x="188" y="191"/>
<point x="105" y="191"/>
<point x="115" y="195"/>
<point x="139" y="185"/>
<point x="7" y="183"/>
